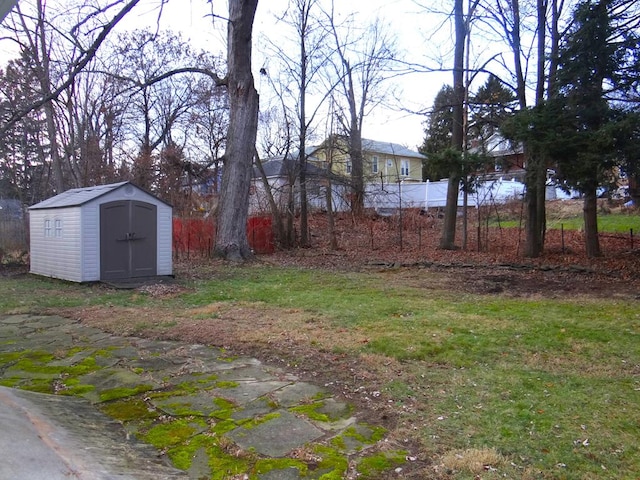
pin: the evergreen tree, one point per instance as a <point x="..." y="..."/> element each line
<point x="593" y="63"/>
<point x="438" y="135"/>
<point x="490" y="107"/>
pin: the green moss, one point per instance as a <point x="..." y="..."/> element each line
<point x="225" y="408"/>
<point x="311" y="411"/>
<point x="77" y="390"/>
<point x="333" y="463"/>
<point x="29" y="365"/>
<point x="128" y="410"/>
<point x="224" y="384"/>
<point x="11" y="382"/>
<point x="373" y="466"/>
<point x="87" y="365"/>
<point x="9" y="357"/>
<point x="224" y="466"/>
<point x="339" y="442"/>
<point x="368" y="434"/>
<point x="171" y="433"/>
<point x="123" y="392"/>
<point x="39" y="386"/>
<point x="182" y="455"/>
<point x="194" y="386"/>
<point x="252" y="423"/>
<point x="266" y="465"/>
<point x="224" y="426"/>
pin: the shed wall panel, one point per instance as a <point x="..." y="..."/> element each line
<point x="165" y="240"/>
<point x="55" y="251"/>
<point x="91" y="242"/>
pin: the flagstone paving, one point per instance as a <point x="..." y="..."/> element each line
<point x="207" y="414"/>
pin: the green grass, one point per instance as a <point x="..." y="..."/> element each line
<point x="551" y="384"/>
<point x="614" y="223"/>
<point x="34" y="293"/>
<point x="611" y="223"/>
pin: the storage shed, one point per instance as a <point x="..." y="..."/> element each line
<point x="106" y="232"/>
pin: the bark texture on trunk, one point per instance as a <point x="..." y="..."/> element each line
<point x="590" y="215"/>
<point x="447" y="240"/>
<point x="231" y="232"/>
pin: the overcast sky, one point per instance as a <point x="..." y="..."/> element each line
<point x="412" y="25"/>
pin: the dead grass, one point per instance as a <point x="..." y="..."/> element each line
<point x="473" y="460"/>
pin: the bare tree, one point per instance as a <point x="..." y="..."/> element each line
<point x="60" y="50"/>
<point x="300" y="64"/>
<point x="154" y="109"/>
<point x="363" y="64"/>
<point x="462" y="23"/>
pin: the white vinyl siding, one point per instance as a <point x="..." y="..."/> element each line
<point x="54" y="252"/>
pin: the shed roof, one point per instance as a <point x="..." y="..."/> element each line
<point x="79" y="196"/>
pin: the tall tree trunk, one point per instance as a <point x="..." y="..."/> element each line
<point x="357" y="168"/>
<point x="447" y="240"/>
<point x="355" y="146"/>
<point x="41" y="52"/>
<point x="231" y="233"/>
<point x="304" y="213"/>
<point x="590" y="216"/>
<point x="536" y="166"/>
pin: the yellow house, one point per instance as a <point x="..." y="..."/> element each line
<point x="383" y="162"/>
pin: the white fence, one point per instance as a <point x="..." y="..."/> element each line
<point x="388" y="198"/>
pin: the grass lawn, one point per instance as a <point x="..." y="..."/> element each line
<point x="492" y="386"/>
<point x="621" y="223"/>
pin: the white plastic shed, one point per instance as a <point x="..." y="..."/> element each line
<point x="106" y="232"/>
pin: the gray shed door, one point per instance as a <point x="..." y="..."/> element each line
<point x="128" y="239"/>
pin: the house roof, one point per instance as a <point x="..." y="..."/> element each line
<point x="388" y="148"/>
<point x="5" y="7"/>
<point x="79" y="196"/>
<point x="280" y="167"/>
<point x="497" y="146"/>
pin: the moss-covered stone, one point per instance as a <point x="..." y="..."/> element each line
<point x="128" y="410"/>
<point x="123" y="392"/>
<point x="173" y="432"/>
<point x="310" y="410"/>
<point x="266" y="465"/>
<point x="372" y="466"/>
<point x="333" y="465"/>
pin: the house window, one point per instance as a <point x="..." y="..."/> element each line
<point x="348" y="167"/>
<point x="374" y="164"/>
<point x="47" y="228"/>
<point x="404" y="168"/>
<point x="58" y="228"/>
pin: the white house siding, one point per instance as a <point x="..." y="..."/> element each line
<point x="56" y="255"/>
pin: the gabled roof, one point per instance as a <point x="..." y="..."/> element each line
<point x="388" y="148"/>
<point x="497" y="146"/>
<point x="79" y="196"/>
<point x="281" y="167"/>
